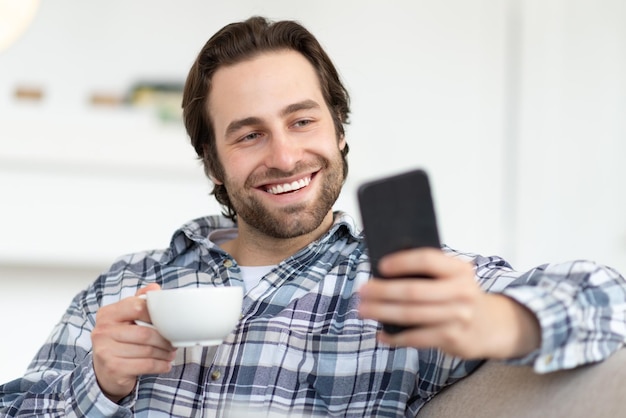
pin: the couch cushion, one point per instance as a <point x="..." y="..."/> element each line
<point x="499" y="390"/>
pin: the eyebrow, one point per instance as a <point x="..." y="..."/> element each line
<point x="253" y="120"/>
<point x="303" y="105"/>
<point x="240" y="123"/>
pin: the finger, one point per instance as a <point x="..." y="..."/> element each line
<point x="138" y="366"/>
<point x="422" y="337"/>
<point x="411" y="290"/>
<point x="418" y="337"/>
<point x="148" y="288"/>
<point x="145" y="351"/>
<point x="115" y="350"/>
<point x="129" y="334"/>
<point x="124" y="311"/>
<point x="413" y="315"/>
<point x="430" y="262"/>
<point x="142" y="335"/>
<point x="143" y="313"/>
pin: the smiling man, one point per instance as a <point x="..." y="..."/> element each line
<point x="275" y="133"/>
<point x="265" y="111"/>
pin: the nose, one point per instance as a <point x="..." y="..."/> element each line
<point x="284" y="151"/>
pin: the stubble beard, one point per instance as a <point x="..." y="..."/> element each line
<point x="295" y="220"/>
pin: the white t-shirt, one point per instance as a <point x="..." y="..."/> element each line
<point x="251" y="275"/>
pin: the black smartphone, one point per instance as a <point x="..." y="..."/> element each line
<point x="397" y="213"/>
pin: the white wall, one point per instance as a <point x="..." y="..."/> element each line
<point x="571" y="188"/>
<point x="513" y="106"/>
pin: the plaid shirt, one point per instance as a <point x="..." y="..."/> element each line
<point x="300" y="348"/>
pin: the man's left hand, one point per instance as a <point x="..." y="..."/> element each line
<point x="447" y="310"/>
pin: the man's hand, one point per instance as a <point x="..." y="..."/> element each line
<point x="123" y="350"/>
<point x="449" y="311"/>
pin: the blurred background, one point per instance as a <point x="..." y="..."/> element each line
<point x="516" y="108"/>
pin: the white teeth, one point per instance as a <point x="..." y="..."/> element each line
<point x="289" y="187"/>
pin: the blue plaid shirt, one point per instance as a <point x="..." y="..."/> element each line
<point x="300" y="348"/>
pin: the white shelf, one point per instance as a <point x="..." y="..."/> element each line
<point x="86" y="192"/>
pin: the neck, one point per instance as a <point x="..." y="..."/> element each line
<point x="254" y="248"/>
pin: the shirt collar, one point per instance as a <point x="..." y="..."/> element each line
<point x="197" y="231"/>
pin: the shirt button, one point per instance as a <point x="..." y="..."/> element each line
<point x="216" y="374"/>
<point x="228" y="263"/>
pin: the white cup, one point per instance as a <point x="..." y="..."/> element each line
<point x="190" y="316"/>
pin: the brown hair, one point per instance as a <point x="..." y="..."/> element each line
<point x="238" y="42"/>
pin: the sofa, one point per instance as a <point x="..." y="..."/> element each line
<point x="497" y="390"/>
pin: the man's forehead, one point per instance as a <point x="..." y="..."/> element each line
<point x="272" y="82"/>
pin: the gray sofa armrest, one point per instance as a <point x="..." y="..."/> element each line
<point x="500" y="390"/>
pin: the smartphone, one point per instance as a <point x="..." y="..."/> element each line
<point x="397" y="213"/>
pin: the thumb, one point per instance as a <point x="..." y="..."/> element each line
<point x="144" y="316"/>
<point x="148" y="288"/>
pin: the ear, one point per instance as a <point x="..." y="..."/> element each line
<point x="215" y="180"/>
<point x="342" y="142"/>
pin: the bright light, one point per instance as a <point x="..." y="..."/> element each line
<point x="15" y="17"/>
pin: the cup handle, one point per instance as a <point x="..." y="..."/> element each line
<point x="142" y="323"/>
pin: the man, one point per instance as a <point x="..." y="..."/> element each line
<point x="265" y="111"/>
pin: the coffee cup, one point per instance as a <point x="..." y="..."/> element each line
<point x="191" y="316"/>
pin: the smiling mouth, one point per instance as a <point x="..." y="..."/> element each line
<point x="288" y="187"/>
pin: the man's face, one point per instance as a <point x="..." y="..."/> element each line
<point x="276" y="141"/>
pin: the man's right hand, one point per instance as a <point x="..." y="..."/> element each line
<point x="123" y="350"/>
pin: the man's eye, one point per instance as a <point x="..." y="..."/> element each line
<point x="302" y="123"/>
<point x="250" y="137"/>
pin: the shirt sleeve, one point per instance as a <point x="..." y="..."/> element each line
<point x="60" y="381"/>
<point x="580" y="306"/>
